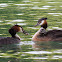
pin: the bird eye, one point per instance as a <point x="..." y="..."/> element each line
<point x="39" y="21"/>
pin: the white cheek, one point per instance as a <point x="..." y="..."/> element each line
<point x="20" y="30"/>
<point x="41" y="22"/>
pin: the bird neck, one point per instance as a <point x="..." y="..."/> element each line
<point x="44" y="25"/>
<point x="16" y="36"/>
<point x="13" y="33"/>
<point x="42" y="30"/>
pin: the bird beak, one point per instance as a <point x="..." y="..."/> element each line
<point x="23" y="31"/>
<point x="36" y="25"/>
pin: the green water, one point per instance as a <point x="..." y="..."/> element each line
<point x="26" y="13"/>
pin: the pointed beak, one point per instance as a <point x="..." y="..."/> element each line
<point x="23" y="31"/>
<point x="36" y="25"/>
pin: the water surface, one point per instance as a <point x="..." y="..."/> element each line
<point x="26" y="14"/>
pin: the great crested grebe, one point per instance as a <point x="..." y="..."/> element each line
<point x="15" y="38"/>
<point x="43" y="35"/>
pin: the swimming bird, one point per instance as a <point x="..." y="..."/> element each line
<point x="43" y="35"/>
<point x="15" y="38"/>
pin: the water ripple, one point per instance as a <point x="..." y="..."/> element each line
<point x="3" y="5"/>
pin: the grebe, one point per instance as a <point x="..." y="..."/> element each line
<point x="15" y="38"/>
<point x="43" y="35"/>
